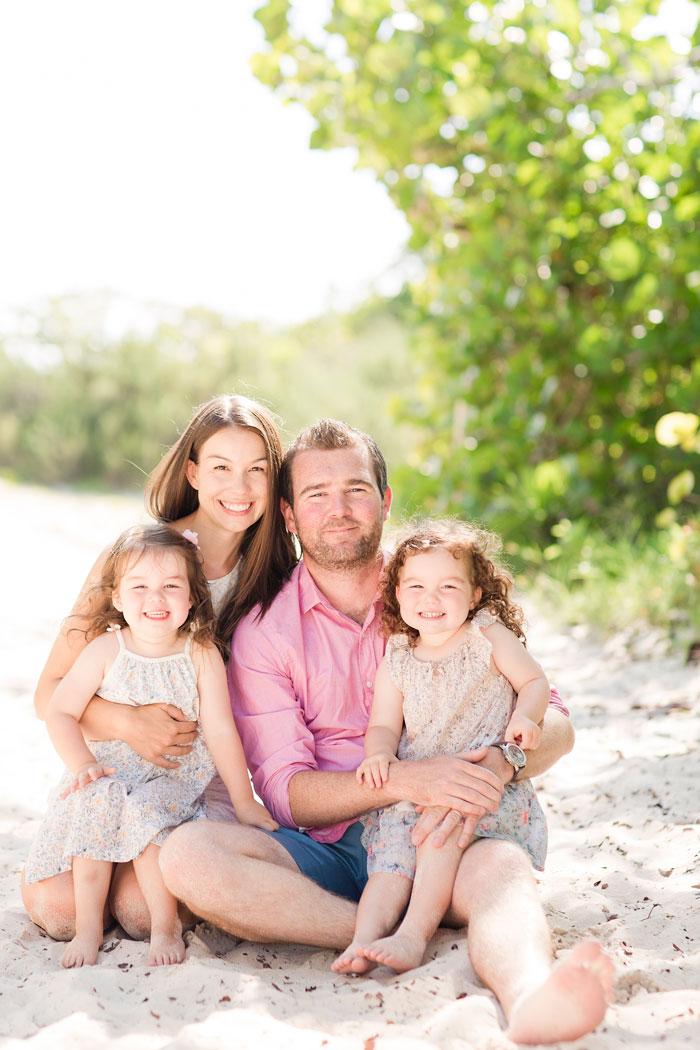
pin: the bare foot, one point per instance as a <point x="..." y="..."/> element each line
<point x="570" y="1003"/>
<point x="81" y="951"/>
<point x="401" y="951"/>
<point x="167" y="947"/>
<point x="352" y="962"/>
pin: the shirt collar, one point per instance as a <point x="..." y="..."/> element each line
<point x="310" y="595"/>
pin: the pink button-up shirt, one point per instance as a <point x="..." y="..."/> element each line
<point x="301" y="682"/>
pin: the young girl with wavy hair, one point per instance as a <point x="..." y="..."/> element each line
<point x="149" y="637"/>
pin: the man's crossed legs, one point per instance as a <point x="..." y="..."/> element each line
<point x="246" y="882"/>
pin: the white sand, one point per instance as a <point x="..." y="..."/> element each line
<point x="623" y="863"/>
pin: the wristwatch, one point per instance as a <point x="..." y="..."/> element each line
<point x="513" y="754"/>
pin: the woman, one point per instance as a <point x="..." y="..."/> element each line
<point x="220" y="481"/>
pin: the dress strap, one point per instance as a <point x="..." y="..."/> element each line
<point x="116" y="628"/>
<point x="485" y="618"/>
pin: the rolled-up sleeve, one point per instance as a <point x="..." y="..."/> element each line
<point x="268" y="713"/>
<point x="556" y="702"/>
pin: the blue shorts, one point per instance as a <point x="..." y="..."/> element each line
<point x="339" y="867"/>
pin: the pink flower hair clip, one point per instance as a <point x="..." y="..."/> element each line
<point x="191" y="536"/>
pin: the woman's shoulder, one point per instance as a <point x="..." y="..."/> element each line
<point x="91" y="582"/>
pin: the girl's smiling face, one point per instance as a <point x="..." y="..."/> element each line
<point x="153" y="594"/>
<point x="231" y="478"/>
<point x="435" y="594"/>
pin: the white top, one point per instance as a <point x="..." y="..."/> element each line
<point x="219" y="589"/>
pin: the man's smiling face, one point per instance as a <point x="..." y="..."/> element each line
<point x="338" y="510"/>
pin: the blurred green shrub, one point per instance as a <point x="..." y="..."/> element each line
<point x="78" y="406"/>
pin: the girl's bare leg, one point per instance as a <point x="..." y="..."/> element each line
<point x="432" y="892"/>
<point x="91" y="885"/>
<point x="381" y="905"/>
<point x="167" y="945"/>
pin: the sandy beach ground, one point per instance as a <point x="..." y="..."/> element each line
<point x="623" y="863"/>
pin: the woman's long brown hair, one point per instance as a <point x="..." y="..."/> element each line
<point x="267" y="553"/>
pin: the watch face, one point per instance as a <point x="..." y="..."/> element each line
<point x="515" y="755"/>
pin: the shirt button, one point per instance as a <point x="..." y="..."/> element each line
<point x="369" y="684"/>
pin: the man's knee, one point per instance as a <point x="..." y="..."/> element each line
<point x="489" y="870"/>
<point x="495" y="860"/>
<point x="194" y="850"/>
<point x="180" y="854"/>
<point x="191" y="852"/>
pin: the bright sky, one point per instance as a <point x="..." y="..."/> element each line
<point x="141" y="155"/>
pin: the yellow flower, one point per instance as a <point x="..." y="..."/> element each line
<point x="679" y="428"/>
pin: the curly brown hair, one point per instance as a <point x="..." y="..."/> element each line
<point x="128" y="549"/>
<point x="477" y="547"/>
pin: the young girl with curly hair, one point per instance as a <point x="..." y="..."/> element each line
<point x="455" y="677"/>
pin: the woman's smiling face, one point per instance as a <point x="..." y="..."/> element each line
<point x="231" y="478"/>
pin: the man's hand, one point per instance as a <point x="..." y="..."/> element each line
<point x="156" y="731"/>
<point x="442" y="820"/>
<point x="463" y="782"/>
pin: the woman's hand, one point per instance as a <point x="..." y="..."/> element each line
<point x="86" y="775"/>
<point x="374" y="771"/>
<point x="255" y="814"/>
<point x="158" y="732"/>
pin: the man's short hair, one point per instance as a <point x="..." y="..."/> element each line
<point x="326" y="435"/>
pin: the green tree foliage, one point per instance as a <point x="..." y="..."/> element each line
<point x="79" y="406"/>
<point x="545" y="154"/>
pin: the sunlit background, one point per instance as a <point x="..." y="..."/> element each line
<point x="492" y="261"/>
<point x="142" y="156"/>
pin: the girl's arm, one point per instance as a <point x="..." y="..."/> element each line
<point x="153" y="730"/>
<point x="67" y="704"/>
<point x="222" y="738"/>
<point x="529" y="681"/>
<point x="383" y="732"/>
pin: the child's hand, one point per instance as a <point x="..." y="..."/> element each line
<point x="86" y="774"/>
<point x="374" y="771"/>
<point x="522" y="730"/>
<point x="255" y="814"/>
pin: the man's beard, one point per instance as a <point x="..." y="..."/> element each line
<point x="363" y="551"/>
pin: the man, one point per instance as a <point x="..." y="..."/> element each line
<point x="301" y="683"/>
